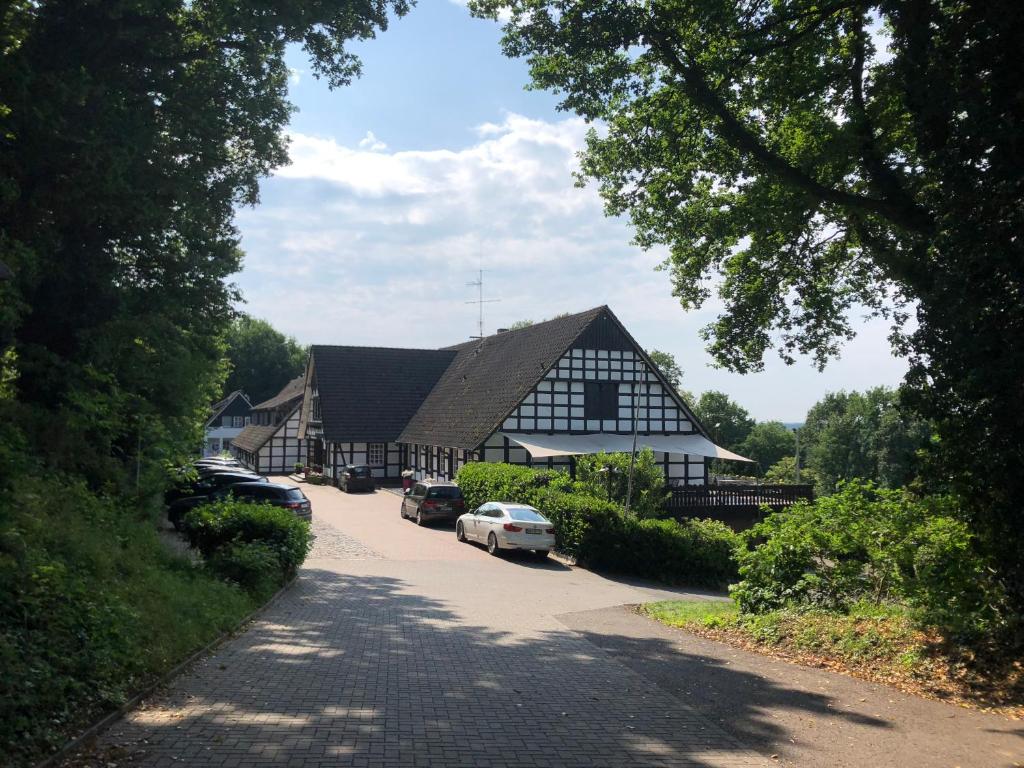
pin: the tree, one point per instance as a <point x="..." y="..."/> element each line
<point x="518" y="325"/>
<point x="767" y="443"/>
<point x="775" y="147"/>
<point x="784" y="472"/>
<point x="130" y="131"/>
<point x="728" y="422"/>
<point x="262" y="359"/>
<point x="851" y="435"/>
<point x="606" y="475"/>
<point x="668" y="366"/>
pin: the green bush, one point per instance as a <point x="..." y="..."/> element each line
<point x="253" y="565"/>
<point x="606" y="475"/>
<point x="599" y="533"/>
<point x="697" y="552"/>
<point x="92" y="607"/>
<point x="214" y="527"/>
<point x="868" y="544"/>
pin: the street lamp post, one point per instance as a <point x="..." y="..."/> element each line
<point x="796" y="474"/>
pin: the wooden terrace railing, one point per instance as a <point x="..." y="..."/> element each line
<point x="739" y="506"/>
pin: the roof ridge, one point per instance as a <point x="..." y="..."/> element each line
<point x="368" y="346"/>
<point x="532" y="326"/>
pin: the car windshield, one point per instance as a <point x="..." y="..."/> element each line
<point x="359" y="471"/>
<point x="526" y="515"/>
<point x="445" y="492"/>
<point x="294" y="494"/>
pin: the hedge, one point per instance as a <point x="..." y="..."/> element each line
<point x="600" y="534"/>
<point x="256" y="545"/>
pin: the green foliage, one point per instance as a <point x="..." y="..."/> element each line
<point x="121" y="260"/>
<point x="92" y="607"/>
<point x="728" y="422"/>
<point x="214" y="529"/>
<point x="767" y="443"/>
<point x="869" y="544"/>
<point x="686" y="613"/>
<point x="600" y="534"/>
<point x="518" y="325"/>
<point x="695" y="552"/>
<point x="784" y="472"/>
<point x="813" y="163"/>
<point x="869" y="435"/>
<point x="253" y="565"/>
<point x="864" y="635"/>
<point x="607" y="475"/>
<point x="262" y="360"/>
<point x="668" y="366"/>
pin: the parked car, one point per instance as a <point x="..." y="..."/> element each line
<point x="356" y="477"/>
<point x="430" y="500"/>
<point x="501" y="525"/>
<point x="278" y="494"/>
<point x="180" y="500"/>
<point x="216" y="463"/>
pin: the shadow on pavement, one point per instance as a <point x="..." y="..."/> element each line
<point x="356" y="670"/>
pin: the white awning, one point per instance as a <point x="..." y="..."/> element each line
<point x="542" y="446"/>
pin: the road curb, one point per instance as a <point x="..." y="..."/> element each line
<point x="108" y="720"/>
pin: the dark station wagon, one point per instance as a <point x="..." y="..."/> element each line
<point x="430" y="500"/>
<point x="278" y="494"/>
<point x="356" y="477"/>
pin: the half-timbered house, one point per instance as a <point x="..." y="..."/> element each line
<point x="359" y="399"/>
<point x="537" y="396"/>
<point x="227" y="419"/>
<point x="271" y="443"/>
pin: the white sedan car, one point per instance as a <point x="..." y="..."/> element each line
<point x="503" y="525"/>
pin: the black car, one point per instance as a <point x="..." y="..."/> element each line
<point x="205" y="481"/>
<point x="278" y="494"/>
<point x="433" y="500"/>
<point x="182" y="499"/>
<point x="356" y="477"/>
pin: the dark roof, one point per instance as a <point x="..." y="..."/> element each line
<point x="488" y="378"/>
<point x="254" y="437"/>
<point x="221" y="405"/>
<point x="370" y="393"/>
<point x="291" y="391"/>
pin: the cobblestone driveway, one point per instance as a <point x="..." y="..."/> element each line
<point x="362" y="664"/>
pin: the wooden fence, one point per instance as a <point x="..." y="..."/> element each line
<point x="739" y="506"/>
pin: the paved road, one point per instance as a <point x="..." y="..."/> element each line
<point x="399" y="646"/>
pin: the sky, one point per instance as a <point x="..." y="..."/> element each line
<point x="438" y="162"/>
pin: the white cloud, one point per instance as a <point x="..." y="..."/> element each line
<point x="295" y="75"/>
<point x="366" y="245"/>
<point x="372" y="143"/>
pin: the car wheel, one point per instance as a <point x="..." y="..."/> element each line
<point x="541" y="553"/>
<point x="460" y="532"/>
<point x="401" y="511"/>
<point x="419" y="517"/>
<point x="492" y="545"/>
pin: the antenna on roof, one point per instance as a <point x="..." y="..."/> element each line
<point x="480" y="301"/>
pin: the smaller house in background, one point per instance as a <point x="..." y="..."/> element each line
<point x="271" y="444"/>
<point x="229" y="418"/>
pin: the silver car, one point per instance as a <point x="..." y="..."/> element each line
<point x="503" y="525"/>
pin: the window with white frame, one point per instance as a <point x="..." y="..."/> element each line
<point x="375" y="454"/>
